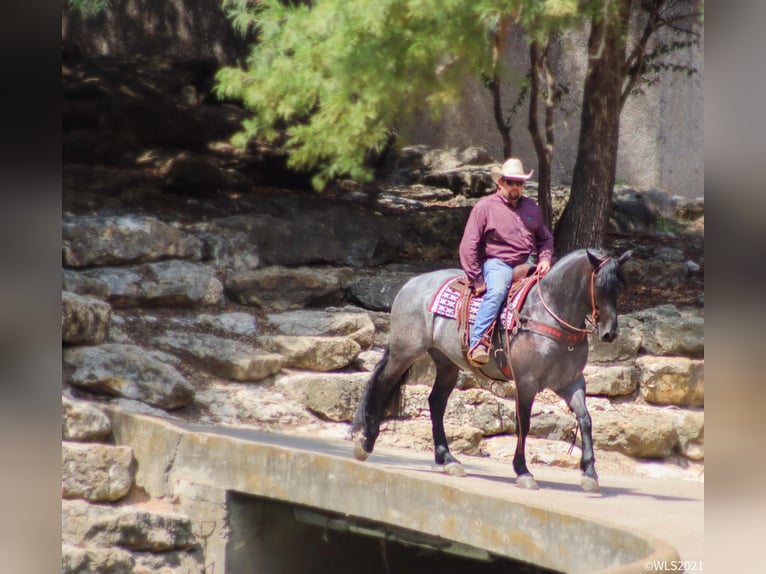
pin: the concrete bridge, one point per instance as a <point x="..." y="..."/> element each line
<point x="244" y="489"/>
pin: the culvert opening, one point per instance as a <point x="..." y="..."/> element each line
<point x="272" y="537"/>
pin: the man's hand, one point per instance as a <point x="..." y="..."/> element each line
<point x="543" y="267"/>
<point x="479" y="290"/>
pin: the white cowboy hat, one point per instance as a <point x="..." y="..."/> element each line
<point x="511" y="169"/>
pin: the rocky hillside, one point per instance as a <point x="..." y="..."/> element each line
<point x="207" y="284"/>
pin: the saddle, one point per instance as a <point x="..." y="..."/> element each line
<point x="522" y="277"/>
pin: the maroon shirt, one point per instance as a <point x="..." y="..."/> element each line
<point x="496" y="229"/>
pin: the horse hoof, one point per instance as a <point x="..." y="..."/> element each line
<point x="589" y="484"/>
<point x="527" y="482"/>
<point x="359" y="452"/>
<point x="454" y="469"/>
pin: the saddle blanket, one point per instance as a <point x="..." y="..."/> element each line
<point x="445" y="304"/>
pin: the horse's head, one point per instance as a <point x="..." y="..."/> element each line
<point x="607" y="283"/>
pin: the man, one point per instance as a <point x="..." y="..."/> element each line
<point x="503" y="230"/>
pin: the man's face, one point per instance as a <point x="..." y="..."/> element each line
<point x="513" y="188"/>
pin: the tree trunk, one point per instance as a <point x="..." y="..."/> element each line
<point x="586" y="216"/>
<point x="540" y="69"/>
<point x="497" y="108"/>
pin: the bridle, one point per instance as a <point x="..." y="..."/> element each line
<point x="593" y="319"/>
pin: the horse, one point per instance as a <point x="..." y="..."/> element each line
<point x="585" y="282"/>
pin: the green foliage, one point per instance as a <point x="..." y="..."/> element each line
<point x="89" y="8"/>
<point x="332" y="80"/>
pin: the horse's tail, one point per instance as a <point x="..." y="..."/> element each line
<point x="359" y="417"/>
<point x="392" y="403"/>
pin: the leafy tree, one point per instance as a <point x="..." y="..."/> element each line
<point x="331" y="80"/>
<point x="622" y="52"/>
<point x="89" y="8"/>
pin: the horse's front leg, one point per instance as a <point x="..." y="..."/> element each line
<point x="446" y="379"/>
<point x="525" y="396"/>
<point x="574" y="395"/>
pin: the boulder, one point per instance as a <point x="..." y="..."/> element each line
<point x="624" y="348"/>
<point x="172" y="283"/>
<point x="84" y="319"/>
<point x="281" y="289"/>
<point x="377" y="293"/>
<point x="77" y="559"/>
<point x="690" y="426"/>
<point x="643" y="432"/>
<point x="223" y="357"/>
<point x="346" y="321"/>
<point x="672" y="380"/>
<point x="97" y="472"/>
<point x="128" y="527"/>
<point x="418" y="435"/>
<point x="666" y="330"/>
<point x="655" y="273"/>
<point x="235" y="323"/>
<point x="81" y="421"/>
<point x="127" y="371"/>
<point x="329" y="234"/>
<point x="332" y="396"/>
<point x="610" y="380"/>
<point x="119" y="240"/>
<point x="313" y="353"/>
<point x="476" y="408"/>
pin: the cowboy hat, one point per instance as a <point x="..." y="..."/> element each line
<point x="511" y="169"/>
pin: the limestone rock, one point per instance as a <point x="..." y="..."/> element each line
<point x="127" y="371"/>
<point x="476" y="408"/>
<point x="107" y="240"/>
<point x="84" y="559"/>
<point x="332" y="396"/>
<point x="666" y="330"/>
<point x="368" y="360"/>
<point x="417" y="435"/>
<point x="236" y="323"/>
<point x="172" y="283"/>
<point x="313" y="353"/>
<point x="672" y="380"/>
<point x="348" y="322"/>
<point x="84" y="319"/>
<point x="280" y="289"/>
<point x="83" y="422"/>
<point x="224" y="357"/>
<point x="97" y="472"/>
<point x="307" y="230"/>
<point x="129" y="527"/>
<point x="643" y="432"/>
<point x="378" y="293"/>
<point x="624" y="348"/>
<point x="610" y="380"/>
<point x="690" y="426"/>
<point x="655" y="272"/>
<point x="181" y="283"/>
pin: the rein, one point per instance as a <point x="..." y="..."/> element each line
<point x="593" y="319"/>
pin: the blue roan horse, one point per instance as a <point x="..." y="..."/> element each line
<point x="583" y="283"/>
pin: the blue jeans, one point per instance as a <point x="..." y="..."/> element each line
<point x="498" y="276"/>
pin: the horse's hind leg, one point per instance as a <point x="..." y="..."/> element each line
<point x="574" y="395"/>
<point x="387" y="376"/>
<point x="446" y="378"/>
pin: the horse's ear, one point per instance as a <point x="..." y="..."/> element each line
<point x="595" y="260"/>
<point x="625" y="256"/>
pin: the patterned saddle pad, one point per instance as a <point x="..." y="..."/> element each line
<point x="445" y="301"/>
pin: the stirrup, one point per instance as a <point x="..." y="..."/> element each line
<point x="482" y="358"/>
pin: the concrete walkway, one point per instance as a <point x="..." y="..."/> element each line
<point x="631" y="520"/>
